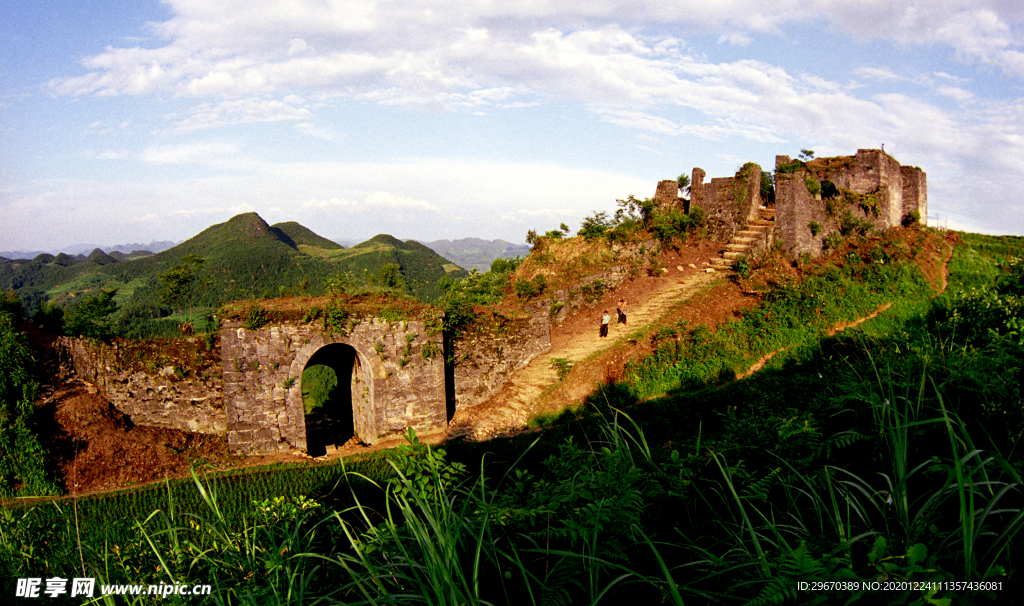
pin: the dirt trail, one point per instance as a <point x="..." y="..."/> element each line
<point x="513" y="406"/>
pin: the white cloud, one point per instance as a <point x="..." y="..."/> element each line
<point x="244" y="111"/>
<point x="373" y="201"/>
<point x="110" y="154"/>
<point x="212" y="153"/>
<point x="317" y="131"/>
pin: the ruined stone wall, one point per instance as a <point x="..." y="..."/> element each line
<point x="915" y="192"/>
<point x="164" y="391"/>
<point x="796" y="209"/>
<point x="728" y="202"/>
<point x="485" y="359"/>
<point x="633" y="258"/>
<point x="871" y="189"/>
<point x="666" y="195"/>
<point x="400" y="367"/>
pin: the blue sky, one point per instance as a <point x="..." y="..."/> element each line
<point x="131" y="122"/>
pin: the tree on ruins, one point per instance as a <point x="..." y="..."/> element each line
<point x="181" y="283"/>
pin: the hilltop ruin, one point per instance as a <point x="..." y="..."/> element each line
<point x="816" y="202"/>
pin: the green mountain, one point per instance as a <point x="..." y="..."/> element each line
<point x="303" y="236"/>
<point x="243" y="258"/>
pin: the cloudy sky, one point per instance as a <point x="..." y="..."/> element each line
<point x="138" y="121"/>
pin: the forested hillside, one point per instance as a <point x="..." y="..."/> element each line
<point x="242" y="258"/>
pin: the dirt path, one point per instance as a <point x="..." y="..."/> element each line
<point x="516" y="403"/>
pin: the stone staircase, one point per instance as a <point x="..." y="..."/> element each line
<point x="744" y="240"/>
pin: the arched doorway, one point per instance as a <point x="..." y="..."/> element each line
<point x="328" y="382"/>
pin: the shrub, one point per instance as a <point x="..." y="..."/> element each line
<point x="813" y="186"/>
<point x="595" y="226"/>
<point x="336" y="319"/>
<point x="671" y="224"/>
<point x="9" y="303"/>
<point x="91" y="317"/>
<point x="815" y="228"/>
<point x="912" y="218"/>
<point x="742" y="267"/>
<point x="50" y="316"/>
<point x="22" y="458"/>
<point x="255" y="317"/>
<point x="561" y="366"/>
<point x="528" y="289"/>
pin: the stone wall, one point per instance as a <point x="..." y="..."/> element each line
<point x="871" y="189"/>
<point x="633" y="258"/>
<point x="399" y="373"/>
<point x="177" y="387"/>
<point x="728" y="202"/>
<point x="484" y="359"/>
<point x="915" y="192"/>
<point x="666" y="195"/>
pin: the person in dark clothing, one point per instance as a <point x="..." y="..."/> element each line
<point x="622" y="311"/>
<point x="605" y="321"/>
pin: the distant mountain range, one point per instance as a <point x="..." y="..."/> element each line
<point x="467" y="253"/>
<point x="243" y="258"/>
<point x="470" y="253"/>
<point x="85" y="249"/>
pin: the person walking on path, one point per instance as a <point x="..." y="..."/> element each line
<point x="605" y="321"/>
<point x="622" y="311"/>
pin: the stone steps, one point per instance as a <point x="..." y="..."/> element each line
<point x="742" y="241"/>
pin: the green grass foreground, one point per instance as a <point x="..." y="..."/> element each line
<point x="884" y="454"/>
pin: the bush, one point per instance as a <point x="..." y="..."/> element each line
<point x="22" y="458"/>
<point x="528" y="289"/>
<point x="255" y="317"/>
<point x="9" y="303"/>
<point x="672" y="224"/>
<point x="813" y="186"/>
<point x="912" y="218"/>
<point x="91" y="317"/>
<point x="595" y="226"/>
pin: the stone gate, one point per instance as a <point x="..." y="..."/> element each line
<point x="392" y="372"/>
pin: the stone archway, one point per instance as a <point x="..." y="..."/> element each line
<point x="327" y="384"/>
<point x="348" y="412"/>
<point x="394" y="381"/>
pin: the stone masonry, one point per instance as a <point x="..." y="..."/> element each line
<point x="815" y="200"/>
<point x="174" y="394"/>
<point x="485" y="359"/>
<point x="398" y="381"/>
<point x="869" y="189"/>
<point x="728" y="202"/>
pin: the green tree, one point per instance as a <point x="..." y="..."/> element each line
<point x="10" y="303"/>
<point x="684" y="185"/>
<point x="767" y="187"/>
<point x="22" y="458"/>
<point x="595" y="226"/>
<point x="181" y="283"/>
<point x="390" y="277"/>
<point x="91" y="317"/>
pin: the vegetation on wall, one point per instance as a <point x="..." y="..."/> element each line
<point x="22" y="458"/>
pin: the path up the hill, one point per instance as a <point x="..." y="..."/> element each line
<point x="512" y="407"/>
